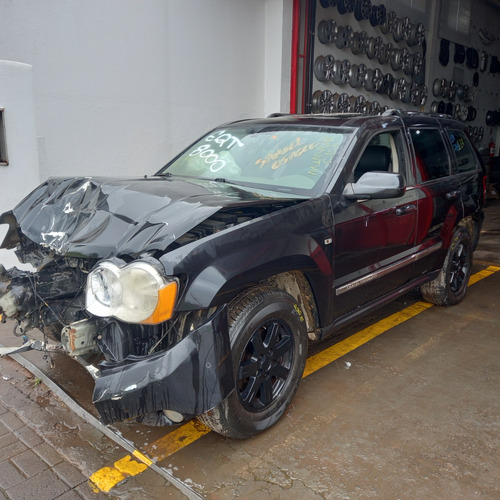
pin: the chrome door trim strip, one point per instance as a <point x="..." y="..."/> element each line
<point x="388" y="269"/>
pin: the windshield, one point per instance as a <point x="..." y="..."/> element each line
<point x="280" y="158"/>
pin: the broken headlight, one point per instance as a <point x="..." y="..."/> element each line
<point x="134" y="293"/>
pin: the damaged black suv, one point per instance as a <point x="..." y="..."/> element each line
<point x="194" y="292"/>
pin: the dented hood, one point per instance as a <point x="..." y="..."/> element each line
<point x="100" y="217"/>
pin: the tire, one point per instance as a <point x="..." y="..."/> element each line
<point x="449" y="287"/>
<point x="265" y="378"/>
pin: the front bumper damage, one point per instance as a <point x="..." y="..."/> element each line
<point x="190" y="378"/>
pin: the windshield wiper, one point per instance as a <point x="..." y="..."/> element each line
<point x="164" y="174"/>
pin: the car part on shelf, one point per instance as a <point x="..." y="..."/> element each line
<point x="388" y="25"/>
<point x="436" y="87"/>
<point x="337" y="72"/>
<point x="344" y="35"/>
<point x="320" y="69"/>
<point x="322" y="102"/>
<point x="378" y="15"/>
<point x="396" y="60"/>
<point x="377" y="79"/>
<point x="407" y="28"/>
<point x="360" y="105"/>
<point x="452" y="92"/>
<point x="387" y="83"/>
<point x="357" y="75"/>
<point x="397" y="31"/>
<point x="375" y="108"/>
<point x="370" y="48"/>
<point x="416" y="35"/>
<point x="327" y="31"/>
<point x="362" y="9"/>
<point x="417" y="63"/>
<point x="346" y="66"/>
<point x="345" y="6"/>
<point x="343" y="103"/>
<point x="444" y="51"/>
<point x="483" y="61"/>
<point x="386" y="51"/>
<point x="406" y="61"/>
<point x="418" y="94"/>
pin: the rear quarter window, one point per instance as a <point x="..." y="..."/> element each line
<point x="431" y="155"/>
<point x="462" y="148"/>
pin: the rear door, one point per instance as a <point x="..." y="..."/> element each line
<point x="375" y="239"/>
<point x="439" y="197"/>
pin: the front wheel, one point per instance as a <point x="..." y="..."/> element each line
<point x="451" y="284"/>
<point x="269" y="348"/>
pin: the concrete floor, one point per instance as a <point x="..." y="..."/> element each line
<point x="413" y="413"/>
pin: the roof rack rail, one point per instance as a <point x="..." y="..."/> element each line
<point x="393" y="112"/>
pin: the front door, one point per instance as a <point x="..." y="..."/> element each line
<point x="375" y="239"/>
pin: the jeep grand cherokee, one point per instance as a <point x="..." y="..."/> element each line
<point x="194" y="292"/>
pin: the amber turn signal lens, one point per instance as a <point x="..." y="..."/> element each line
<point x="166" y="303"/>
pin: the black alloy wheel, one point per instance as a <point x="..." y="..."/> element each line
<point x="268" y="336"/>
<point x="450" y="286"/>
<point x="264" y="366"/>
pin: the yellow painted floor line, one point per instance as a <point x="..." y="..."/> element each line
<point x="108" y="477"/>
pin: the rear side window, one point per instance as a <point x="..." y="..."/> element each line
<point x="430" y="153"/>
<point x="464" y="154"/>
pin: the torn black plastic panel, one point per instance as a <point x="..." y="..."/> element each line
<point x="190" y="378"/>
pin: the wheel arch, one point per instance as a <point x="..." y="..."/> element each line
<point x="473" y="224"/>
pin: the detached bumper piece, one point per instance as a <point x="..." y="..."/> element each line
<point x="35" y="345"/>
<point x="190" y="378"/>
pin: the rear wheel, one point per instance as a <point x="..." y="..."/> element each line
<point x="451" y="284"/>
<point x="269" y="348"/>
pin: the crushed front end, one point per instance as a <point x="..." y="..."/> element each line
<point x="116" y="317"/>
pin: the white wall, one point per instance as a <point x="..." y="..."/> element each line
<point x="122" y="85"/>
<point x="21" y="174"/>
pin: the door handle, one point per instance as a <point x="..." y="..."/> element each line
<point x="406" y="209"/>
<point x="451" y="195"/>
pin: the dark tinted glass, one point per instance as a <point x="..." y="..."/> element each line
<point x="430" y="153"/>
<point x="466" y="159"/>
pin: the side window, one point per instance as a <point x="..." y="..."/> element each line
<point x="384" y="153"/>
<point x="430" y="153"/>
<point x="464" y="154"/>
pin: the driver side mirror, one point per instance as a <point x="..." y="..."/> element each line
<point x="376" y="186"/>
